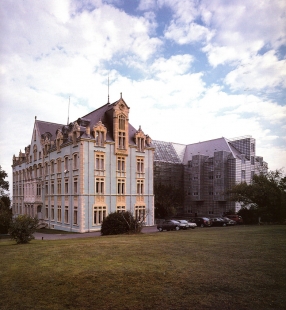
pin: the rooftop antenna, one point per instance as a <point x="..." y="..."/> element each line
<point x="69" y="111"/>
<point x="108" y="90"/>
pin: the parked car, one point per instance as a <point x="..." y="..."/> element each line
<point x="192" y="225"/>
<point x="169" y="225"/>
<point x="183" y="224"/>
<point x="229" y="221"/>
<point x="237" y="218"/>
<point x="201" y="221"/>
<point x="218" y="221"/>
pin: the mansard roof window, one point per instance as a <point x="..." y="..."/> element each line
<point x="121" y="140"/>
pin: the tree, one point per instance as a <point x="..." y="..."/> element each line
<point x="22" y="228"/>
<point x="266" y="194"/>
<point x="5" y="202"/>
<point x="167" y="200"/>
<point x="120" y="223"/>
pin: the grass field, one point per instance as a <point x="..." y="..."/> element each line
<point x="241" y="267"/>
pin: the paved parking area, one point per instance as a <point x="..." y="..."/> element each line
<point x="41" y="236"/>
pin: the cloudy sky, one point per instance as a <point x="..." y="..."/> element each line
<point x="189" y="70"/>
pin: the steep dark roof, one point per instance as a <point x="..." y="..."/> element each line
<point x="44" y="127"/>
<point x="103" y="114"/>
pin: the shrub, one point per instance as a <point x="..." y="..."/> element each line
<point x="120" y="223"/>
<point x="22" y="228"/>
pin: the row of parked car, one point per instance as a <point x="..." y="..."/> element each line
<point x="200" y="221"/>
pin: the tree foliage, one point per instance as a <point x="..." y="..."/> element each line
<point x="120" y="223"/>
<point x="5" y="203"/>
<point x="167" y="200"/>
<point x="266" y="194"/>
<point x="22" y="228"/>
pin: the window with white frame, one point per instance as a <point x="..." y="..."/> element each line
<point x="66" y="186"/>
<point x="140" y="187"/>
<point x="75" y="222"/>
<point x="38" y="189"/>
<point x="120" y="209"/>
<point x="75" y="186"/>
<point x="52" y="187"/>
<point x="99" y="161"/>
<point x="99" y="185"/>
<point x="121" y="163"/>
<point x="59" y="186"/>
<point x="140" y="164"/>
<point x="66" y="163"/>
<point x="140" y="213"/>
<point x="52" y="212"/>
<point x="121" y="186"/>
<point x="59" y="213"/>
<point x="59" y="165"/>
<point x="99" y="213"/>
<point x="66" y="214"/>
<point x="47" y="212"/>
<point x="52" y="166"/>
<point x="75" y="163"/>
<point x="121" y="140"/>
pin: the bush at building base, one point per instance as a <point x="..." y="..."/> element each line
<point x="22" y="228"/>
<point x="120" y="223"/>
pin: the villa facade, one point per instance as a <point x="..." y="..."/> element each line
<point x="72" y="176"/>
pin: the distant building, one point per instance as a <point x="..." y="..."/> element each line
<point x="206" y="170"/>
<point x="72" y="176"/>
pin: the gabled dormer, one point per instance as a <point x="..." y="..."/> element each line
<point x="99" y="133"/>
<point x="121" y="126"/>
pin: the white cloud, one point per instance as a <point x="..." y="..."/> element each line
<point x="261" y="72"/>
<point x="243" y="28"/>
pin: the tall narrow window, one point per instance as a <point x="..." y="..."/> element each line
<point x="140" y="187"/>
<point x="66" y="214"/>
<point x="59" y="165"/>
<point x="99" y="213"/>
<point x="140" y="213"/>
<point x="99" y="138"/>
<point x="59" y="213"/>
<point x="99" y="186"/>
<point x="59" y="186"/>
<point x="52" y="167"/>
<point x="140" y="165"/>
<point x="121" y="140"/>
<point x="121" y="122"/>
<point x="47" y="188"/>
<point x="52" y="187"/>
<point x="75" y="186"/>
<point x="46" y="169"/>
<point x="47" y="212"/>
<point x="38" y="189"/>
<point x="66" y="164"/>
<point x="121" y="164"/>
<point x="99" y="162"/>
<point x="74" y="161"/>
<point x="75" y="216"/>
<point x="52" y="213"/>
<point x="66" y="186"/>
<point x="121" y="186"/>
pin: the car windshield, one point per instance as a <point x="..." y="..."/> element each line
<point x="182" y="221"/>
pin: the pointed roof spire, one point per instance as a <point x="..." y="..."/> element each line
<point x="108" y="90"/>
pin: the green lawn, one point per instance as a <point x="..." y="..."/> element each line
<point x="241" y="267"/>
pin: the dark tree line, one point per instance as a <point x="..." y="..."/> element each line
<point x="5" y="202"/>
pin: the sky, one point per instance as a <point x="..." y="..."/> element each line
<point x="189" y="70"/>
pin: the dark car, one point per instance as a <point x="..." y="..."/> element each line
<point x="169" y="225"/>
<point x="201" y="221"/>
<point x="218" y="221"/>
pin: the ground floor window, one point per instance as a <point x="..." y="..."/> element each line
<point x="52" y="213"/>
<point x="66" y="214"/>
<point x="120" y="209"/>
<point x="75" y="216"/>
<point x="140" y="213"/>
<point x="47" y="212"/>
<point x="59" y="213"/>
<point x="99" y="213"/>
